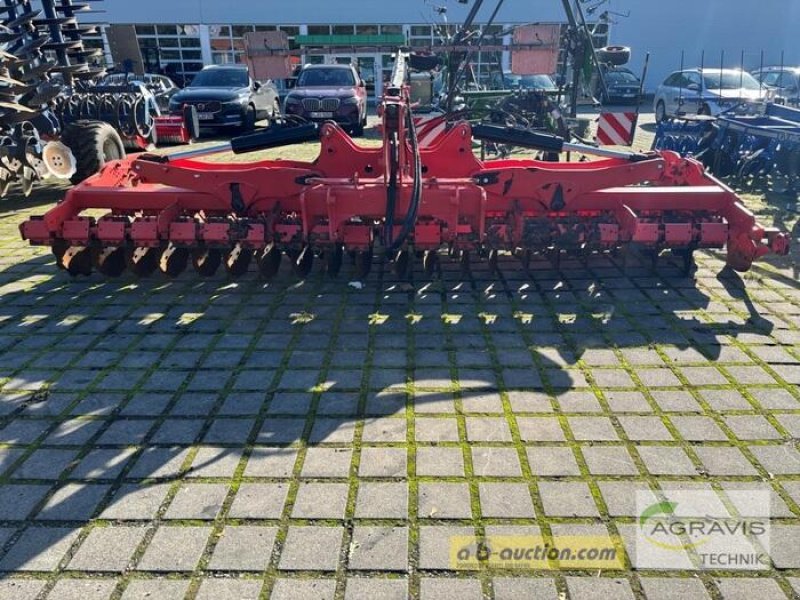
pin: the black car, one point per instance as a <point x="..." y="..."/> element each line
<point x="330" y="93"/>
<point x="622" y="86"/>
<point x="226" y="96"/>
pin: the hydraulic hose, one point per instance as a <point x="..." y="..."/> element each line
<point x="416" y="189"/>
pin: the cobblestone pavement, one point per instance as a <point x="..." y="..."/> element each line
<point x="218" y="439"/>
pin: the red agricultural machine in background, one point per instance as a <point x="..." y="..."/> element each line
<point x="421" y="191"/>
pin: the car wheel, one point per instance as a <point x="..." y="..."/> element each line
<point x="661" y="111"/>
<point x="249" y="118"/>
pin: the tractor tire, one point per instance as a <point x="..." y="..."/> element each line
<point x="93" y="143"/>
<point x="614" y="55"/>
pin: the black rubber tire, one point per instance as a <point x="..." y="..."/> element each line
<point x="357" y="130"/>
<point x="614" y="55"/>
<point x="249" y="119"/>
<point x="93" y="143"/>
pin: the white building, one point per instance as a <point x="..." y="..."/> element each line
<point x="190" y="33"/>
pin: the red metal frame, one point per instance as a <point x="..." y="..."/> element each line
<point x="171" y="129"/>
<point x="340" y="199"/>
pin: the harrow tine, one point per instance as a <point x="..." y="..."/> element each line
<point x="493" y="260"/>
<point x="27" y="179"/>
<point x="269" y="261"/>
<point x="237" y="261"/>
<point x="430" y="263"/>
<point x="77" y="260"/>
<point x="524" y="255"/>
<point x="686" y="256"/>
<point x="142" y="261"/>
<point x="59" y="249"/>
<point x="401" y="263"/>
<point x="5" y="183"/>
<point x="206" y="261"/>
<point x="554" y="254"/>
<point x="109" y="261"/>
<point x="464" y="261"/>
<point x="333" y="259"/>
<point x="174" y="260"/>
<point x="303" y="262"/>
<point x="363" y="263"/>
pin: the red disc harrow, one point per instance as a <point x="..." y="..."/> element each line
<point x="423" y="189"/>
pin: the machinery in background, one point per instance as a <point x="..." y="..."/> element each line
<point x="55" y="120"/>
<point x="761" y="148"/>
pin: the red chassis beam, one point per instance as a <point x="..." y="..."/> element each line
<point x="161" y="212"/>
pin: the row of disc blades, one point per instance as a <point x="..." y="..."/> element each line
<point x="41" y="52"/>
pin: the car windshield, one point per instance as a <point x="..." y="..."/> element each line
<point x="326" y="78"/>
<point x="221" y="78"/>
<point x="729" y="81"/>
<point x="529" y="82"/>
<point x="621" y="77"/>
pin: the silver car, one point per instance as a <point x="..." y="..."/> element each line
<point x="784" y="81"/>
<point x="705" y="92"/>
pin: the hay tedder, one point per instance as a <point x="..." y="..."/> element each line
<point x="421" y="191"/>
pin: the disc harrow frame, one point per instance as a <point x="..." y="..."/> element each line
<point x="423" y="189"/>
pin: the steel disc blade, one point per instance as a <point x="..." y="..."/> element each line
<point x="11" y="59"/>
<point x="110" y="261"/>
<point x="59" y="249"/>
<point x="174" y="260"/>
<point x="269" y="261"/>
<point x="464" y="261"/>
<point x="30" y="46"/>
<point x="16" y="107"/>
<point x="77" y="260"/>
<point x="430" y="262"/>
<point x="333" y="260"/>
<point x="142" y="261"/>
<point x="206" y="262"/>
<point x="401" y="263"/>
<point x="237" y="261"/>
<point x="25" y="17"/>
<point x="304" y="262"/>
<point x="5" y="78"/>
<point x="363" y="263"/>
<point x="27" y="179"/>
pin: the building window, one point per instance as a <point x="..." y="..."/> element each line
<point x="174" y="49"/>
<point x="421" y="36"/>
<point x="227" y="42"/>
<point x="367" y="30"/>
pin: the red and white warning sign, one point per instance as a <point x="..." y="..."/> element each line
<point x="616" y="129"/>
